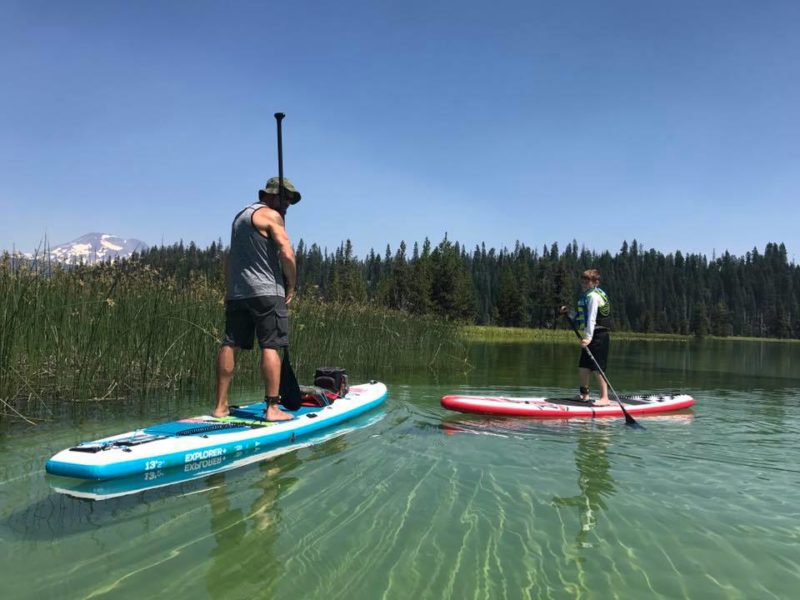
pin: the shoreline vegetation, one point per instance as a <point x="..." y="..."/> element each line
<point x="755" y="295"/>
<point x="117" y="330"/>
<point x="150" y="325"/>
<point x="489" y="333"/>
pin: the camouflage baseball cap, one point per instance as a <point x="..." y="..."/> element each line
<point x="273" y="187"/>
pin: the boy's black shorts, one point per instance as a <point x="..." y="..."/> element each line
<point x="599" y="349"/>
<point x="266" y="317"/>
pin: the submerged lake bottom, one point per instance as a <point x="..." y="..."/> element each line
<point x="412" y="500"/>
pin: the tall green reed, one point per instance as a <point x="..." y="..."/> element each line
<point x="112" y="331"/>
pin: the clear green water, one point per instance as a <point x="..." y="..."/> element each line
<point x="417" y="502"/>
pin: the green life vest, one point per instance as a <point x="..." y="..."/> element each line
<point x="603" y="320"/>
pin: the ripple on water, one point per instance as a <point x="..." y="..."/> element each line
<point x="432" y="504"/>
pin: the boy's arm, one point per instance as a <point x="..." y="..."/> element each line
<point x="591" y="318"/>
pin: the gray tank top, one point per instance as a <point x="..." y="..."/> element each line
<point x="254" y="268"/>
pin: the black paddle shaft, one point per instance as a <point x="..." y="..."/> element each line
<point x="629" y="420"/>
<point x="279" y="116"/>
<point x="291" y="396"/>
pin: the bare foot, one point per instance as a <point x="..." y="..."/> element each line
<point x="219" y="414"/>
<point x="273" y="413"/>
<point x="602" y="402"/>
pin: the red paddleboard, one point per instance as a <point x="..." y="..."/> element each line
<point x="565" y="408"/>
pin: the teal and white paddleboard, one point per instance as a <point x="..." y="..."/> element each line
<point x="182" y="478"/>
<point x="197" y="440"/>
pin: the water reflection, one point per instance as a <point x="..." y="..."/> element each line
<point x="253" y="526"/>
<point x="591" y="438"/>
<point x="508" y="426"/>
<point x="252" y="518"/>
<point x="594" y="481"/>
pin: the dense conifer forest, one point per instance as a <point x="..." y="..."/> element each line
<point x="757" y="294"/>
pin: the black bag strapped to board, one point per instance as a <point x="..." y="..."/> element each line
<point x="333" y="379"/>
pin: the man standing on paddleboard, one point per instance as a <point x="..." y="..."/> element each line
<point x="593" y="321"/>
<point x="260" y="276"/>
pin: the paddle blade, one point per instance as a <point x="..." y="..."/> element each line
<point x="629" y="420"/>
<point x="291" y="397"/>
<point x="634" y="424"/>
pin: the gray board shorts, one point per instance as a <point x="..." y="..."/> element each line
<point x="263" y="317"/>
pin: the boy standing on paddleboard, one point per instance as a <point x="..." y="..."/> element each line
<point x="260" y="276"/>
<point x="593" y="321"/>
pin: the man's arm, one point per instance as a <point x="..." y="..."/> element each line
<point x="270" y="222"/>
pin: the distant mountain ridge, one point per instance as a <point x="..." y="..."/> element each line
<point x="93" y="248"/>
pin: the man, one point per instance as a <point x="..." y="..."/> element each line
<point x="593" y="319"/>
<point x="260" y="277"/>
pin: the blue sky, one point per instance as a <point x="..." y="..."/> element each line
<point x="675" y="123"/>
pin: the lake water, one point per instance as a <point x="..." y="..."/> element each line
<point x="412" y="501"/>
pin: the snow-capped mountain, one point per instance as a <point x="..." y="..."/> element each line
<point x="95" y="247"/>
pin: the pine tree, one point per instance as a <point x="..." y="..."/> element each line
<point x="699" y="325"/>
<point x="451" y="290"/>
<point x="420" y="291"/>
<point x="347" y="284"/>
<point x="720" y="320"/>
<point x="510" y="301"/>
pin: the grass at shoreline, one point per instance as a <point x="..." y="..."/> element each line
<point x="488" y="333"/>
<point x="485" y="333"/>
<point x="110" y="332"/>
